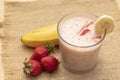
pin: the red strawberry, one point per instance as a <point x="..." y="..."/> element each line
<point x="39" y="53"/>
<point x="33" y="67"/>
<point x="84" y="32"/>
<point x="42" y="51"/>
<point x="49" y="63"/>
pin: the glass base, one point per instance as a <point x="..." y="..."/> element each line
<point x="79" y="72"/>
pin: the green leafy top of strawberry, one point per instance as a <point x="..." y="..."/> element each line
<point x="27" y="68"/>
<point x="50" y="47"/>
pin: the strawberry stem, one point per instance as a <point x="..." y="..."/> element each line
<point x="50" y="47"/>
<point x="25" y="61"/>
<point x="59" y="62"/>
<point x="27" y="69"/>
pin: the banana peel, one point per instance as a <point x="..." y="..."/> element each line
<point x="41" y="36"/>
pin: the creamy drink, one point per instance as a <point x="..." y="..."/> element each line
<point x="79" y="43"/>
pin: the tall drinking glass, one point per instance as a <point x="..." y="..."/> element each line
<point x="78" y="54"/>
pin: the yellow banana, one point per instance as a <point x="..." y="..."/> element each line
<point x="41" y="36"/>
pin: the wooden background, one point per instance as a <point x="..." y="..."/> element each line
<point x="21" y="18"/>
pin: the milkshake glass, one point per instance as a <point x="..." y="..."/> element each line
<point x="79" y="43"/>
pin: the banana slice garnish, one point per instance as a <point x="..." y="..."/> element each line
<point x="103" y="23"/>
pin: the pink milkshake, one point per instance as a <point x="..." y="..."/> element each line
<point x="79" y="43"/>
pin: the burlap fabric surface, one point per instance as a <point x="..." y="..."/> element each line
<point x="21" y="18"/>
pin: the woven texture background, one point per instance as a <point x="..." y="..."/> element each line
<point x="21" y="18"/>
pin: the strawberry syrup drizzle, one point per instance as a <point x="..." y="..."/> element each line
<point x="87" y="24"/>
<point x="84" y="32"/>
<point x="90" y="23"/>
<point x="84" y="26"/>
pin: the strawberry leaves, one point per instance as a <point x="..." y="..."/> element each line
<point x="50" y="47"/>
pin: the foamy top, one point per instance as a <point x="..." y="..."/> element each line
<point x="79" y="31"/>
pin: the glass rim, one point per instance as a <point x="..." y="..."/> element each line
<point x="73" y="44"/>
